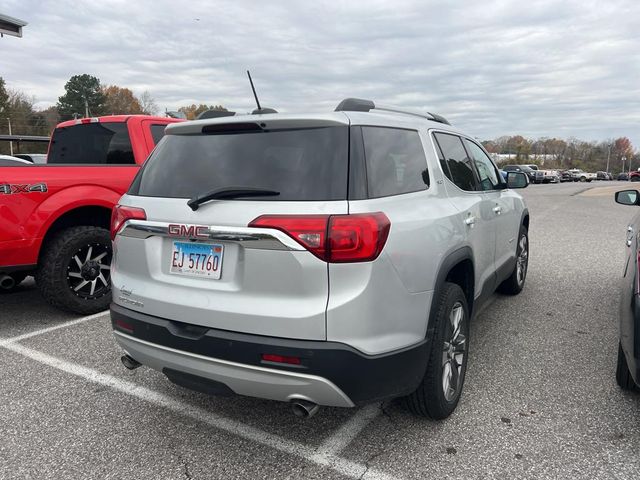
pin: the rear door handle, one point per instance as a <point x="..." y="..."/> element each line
<point x="629" y="235"/>
<point x="470" y="220"/>
<point x="497" y="209"/>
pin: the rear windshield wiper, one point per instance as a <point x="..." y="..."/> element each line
<point x="230" y="192"/>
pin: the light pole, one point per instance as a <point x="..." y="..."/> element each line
<point x="623" y="160"/>
<point x="10" y="143"/>
<point x="608" y="156"/>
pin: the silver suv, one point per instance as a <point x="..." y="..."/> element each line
<point x="321" y="259"/>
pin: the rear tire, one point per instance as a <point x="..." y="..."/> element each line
<point x="439" y="392"/>
<point x="515" y="283"/>
<point x="74" y="272"/>
<point x="623" y="375"/>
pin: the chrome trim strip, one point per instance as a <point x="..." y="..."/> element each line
<point x="261" y="238"/>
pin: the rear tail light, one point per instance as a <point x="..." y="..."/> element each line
<point x="122" y="213"/>
<point x="334" y="238"/>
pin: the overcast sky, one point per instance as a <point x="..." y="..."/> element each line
<point x="546" y="68"/>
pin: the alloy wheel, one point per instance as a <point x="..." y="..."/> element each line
<point x="89" y="271"/>
<point x="453" y="353"/>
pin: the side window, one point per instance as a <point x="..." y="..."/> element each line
<point x="120" y="151"/>
<point x="459" y="166"/>
<point x="395" y="161"/>
<point x="157" y="132"/>
<point x="486" y="170"/>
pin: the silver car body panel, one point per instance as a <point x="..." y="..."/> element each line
<point x="243" y="379"/>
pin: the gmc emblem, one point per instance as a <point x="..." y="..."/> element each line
<point x="191" y="231"/>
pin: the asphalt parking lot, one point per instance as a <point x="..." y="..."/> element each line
<point x="540" y="397"/>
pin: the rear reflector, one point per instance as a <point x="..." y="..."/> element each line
<point x="268" y="357"/>
<point x="334" y="238"/>
<point x="122" y="213"/>
<point x="122" y="325"/>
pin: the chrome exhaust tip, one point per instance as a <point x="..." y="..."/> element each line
<point x="129" y="362"/>
<point x="7" y="282"/>
<point x="304" y="408"/>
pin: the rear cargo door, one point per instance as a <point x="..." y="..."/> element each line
<point x="205" y="266"/>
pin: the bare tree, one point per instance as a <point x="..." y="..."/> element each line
<point x="148" y="103"/>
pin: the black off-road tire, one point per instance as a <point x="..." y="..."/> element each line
<point x="429" y="399"/>
<point x="623" y="375"/>
<point x="512" y="285"/>
<point x="51" y="276"/>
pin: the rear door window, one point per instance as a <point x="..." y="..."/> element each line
<point x="97" y="143"/>
<point x="157" y="132"/>
<point x="395" y="160"/>
<point x="302" y="164"/>
<point x="457" y="165"/>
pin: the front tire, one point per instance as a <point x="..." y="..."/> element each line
<point x="439" y="392"/>
<point x="623" y="375"/>
<point x="515" y="283"/>
<point x="74" y="272"/>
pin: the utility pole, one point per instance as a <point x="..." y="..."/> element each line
<point x="608" y="156"/>
<point x="623" y="160"/>
<point x="86" y="108"/>
<point x="10" y="143"/>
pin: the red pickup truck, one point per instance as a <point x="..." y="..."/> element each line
<point x="54" y="218"/>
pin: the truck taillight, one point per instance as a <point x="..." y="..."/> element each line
<point x="122" y="213"/>
<point x="334" y="238"/>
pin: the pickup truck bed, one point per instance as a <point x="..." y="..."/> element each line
<point x="54" y="218"/>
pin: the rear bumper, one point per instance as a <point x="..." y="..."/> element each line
<point x="330" y="373"/>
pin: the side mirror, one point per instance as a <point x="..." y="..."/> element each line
<point x="517" y="180"/>
<point x="628" y="197"/>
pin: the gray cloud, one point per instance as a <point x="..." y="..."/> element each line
<point x="548" y="68"/>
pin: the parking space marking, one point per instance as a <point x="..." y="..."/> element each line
<point x="344" y="435"/>
<point x="24" y="336"/>
<point x="327" y="459"/>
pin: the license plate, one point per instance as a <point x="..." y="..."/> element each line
<point x="202" y="260"/>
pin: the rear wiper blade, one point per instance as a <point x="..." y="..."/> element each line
<point x="230" y="192"/>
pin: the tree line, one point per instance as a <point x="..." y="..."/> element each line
<point x="564" y="154"/>
<point x="84" y="95"/>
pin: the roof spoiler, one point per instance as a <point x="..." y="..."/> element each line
<point x="361" y="105"/>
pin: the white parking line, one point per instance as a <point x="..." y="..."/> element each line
<point x="324" y="458"/>
<point x="348" y="431"/>
<point x="7" y="341"/>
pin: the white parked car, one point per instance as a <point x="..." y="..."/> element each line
<point x="582" y="176"/>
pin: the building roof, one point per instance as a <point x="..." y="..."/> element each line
<point x="11" y="26"/>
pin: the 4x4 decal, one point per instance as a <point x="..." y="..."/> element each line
<point x="8" y="189"/>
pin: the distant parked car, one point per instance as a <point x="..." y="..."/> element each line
<point x="602" y="176"/>
<point x="628" y="369"/>
<point x="9" y="161"/>
<point x="38" y="158"/>
<point x="551" y="176"/>
<point x="581" y="175"/>
<point x="623" y="176"/>
<point x="535" y="176"/>
<point x="634" y="176"/>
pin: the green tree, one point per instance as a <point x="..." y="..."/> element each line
<point x="4" y="96"/>
<point x="83" y="92"/>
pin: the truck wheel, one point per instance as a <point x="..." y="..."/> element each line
<point x="74" y="271"/>
<point x="439" y="392"/>
<point x="623" y="375"/>
<point x="515" y="283"/>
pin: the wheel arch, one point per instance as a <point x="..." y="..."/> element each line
<point x="89" y="215"/>
<point x="457" y="267"/>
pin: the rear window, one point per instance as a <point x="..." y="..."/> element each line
<point x="396" y="162"/>
<point x="157" y="132"/>
<point x="301" y="164"/>
<point x="92" y="143"/>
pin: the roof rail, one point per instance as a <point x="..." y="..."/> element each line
<point x="361" y="105"/>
